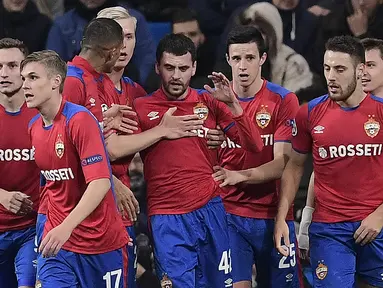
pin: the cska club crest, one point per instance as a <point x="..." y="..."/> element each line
<point x="263" y="117"/>
<point x="371" y="127"/>
<point x="201" y="111"/>
<point x="59" y="147"/>
<point x="166" y="282"/>
<point x="321" y="271"/>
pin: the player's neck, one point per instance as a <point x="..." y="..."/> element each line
<point x="116" y="76"/>
<point x="50" y="109"/>
<point x="94" y="60"/>
<point x="13" y="103"/>
<point x="378" y="92"/>
<point x="355" y="99"/>
<point x="249" y="91"/>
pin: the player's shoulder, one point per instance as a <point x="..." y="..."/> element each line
<point x="75" y="72"/>
<point x="202" y="95"/>
<point x="317" y="103"/>
<point x="277" y="90"/>
<point x="70" y="110"/>
<point x="147" y="98"/>
<point x="377" y="100"/>
<point x="127" y="81"/>
<point x="34" y="120"/>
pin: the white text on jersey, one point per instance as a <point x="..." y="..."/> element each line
<point x="268" y="140"/>
<point x="351" y="150"/>
<point x="17" y="154"/>
<point x="58" y="174"/>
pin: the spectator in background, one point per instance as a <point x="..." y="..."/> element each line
<point x="185" y="21"/>
<point x="65" y="35"/>
<point x="22" y="20"/>
<point x="284" y="66"/>
<point x="359" y="18"/>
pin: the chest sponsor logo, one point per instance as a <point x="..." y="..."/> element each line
<point x="371" y="127"/>
<point x="59" y="146"/>
<point x="263" y="117"/>
<point x="61" y="174"/>
<point x="350" y="150"/>
<point x="104" y="107"/>
<point x="268" y="140"/>
<point x="153" y="115"/>
<point x="17" y="154"/>
<point x="201" y="111"/>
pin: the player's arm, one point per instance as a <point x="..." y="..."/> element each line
<point x="87" y="139"/>
<point x="170" y="127"/>
<point x="16" y="202"/>
<point x="291" y="177"/>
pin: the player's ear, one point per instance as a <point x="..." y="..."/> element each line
<point x="56" y="82"/>
<point x="263" y="59"/>
<point x="227" y="59"/>
<point x="194" y="68"/>
<point x="156" y="66"/>
<point x="360" y="70"/>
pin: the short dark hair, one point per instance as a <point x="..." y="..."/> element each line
<point x="176" y="44"/>
<point x="52" y="62"/>
<point x="9" y="43"/>
<point x="349" y="45"/>
<point x="246" y="34"/>
<point x="373" y="43"/>
<point x="183" y="15"/>
<point x="102" y="33"/>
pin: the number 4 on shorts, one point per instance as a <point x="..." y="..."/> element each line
<point x="225" y="263"/>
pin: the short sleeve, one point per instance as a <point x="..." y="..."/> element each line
<point x="301" y="140"/>
<point x="88" y="141"/>
<point x="285" y="117"/>
<point x="74" y="91"/>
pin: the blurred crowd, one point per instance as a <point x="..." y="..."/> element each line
<point x="295" y="30"/>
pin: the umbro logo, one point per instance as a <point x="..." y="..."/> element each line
<point x="318" y="129"/>
<point x="153" y="115"/>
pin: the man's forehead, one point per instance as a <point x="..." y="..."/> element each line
<point x="243" y="48"/>
<point x="169" y="58"/>
<point x="337" y="58"/>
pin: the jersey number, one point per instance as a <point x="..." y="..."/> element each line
<point x="108" y="278"/>
<point x="225" y="263"/>
<point x="282" y="262"/>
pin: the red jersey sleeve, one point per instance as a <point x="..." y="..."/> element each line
<point x="286" y="115"/>
<point x="74" y="91"/>
<point x="301" y="140"/>
<point x="241" y="130"/>
<point x="87" y="139"/>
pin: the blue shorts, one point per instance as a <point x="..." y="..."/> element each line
<point x="251" y="242"/>
<point x="192" y="249"/>
<point x="18" y="255"/>
<point x="132" y="256"/>
<point x="336" y="260"/>
<point x="41" y="219"/>
<point x="73" y="270"/>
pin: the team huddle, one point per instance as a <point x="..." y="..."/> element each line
<point x="222" y="166"/>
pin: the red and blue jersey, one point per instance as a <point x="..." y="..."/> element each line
<point x="71" y="154"/>
<point x="347" y="147"/>
<point x="18" y="169"/>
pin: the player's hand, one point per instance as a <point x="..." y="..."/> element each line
<point x="222" y="89"/>
<point x="180" y="126"/>
<point x="16" y="202"/>
<point x="369" y="229"/>
<point x="118" y="117"/>
<point x="215" y="138"/>
<point x="54" y="240"/>
<point x="281" y="231"/>
<point x="227" y="177"/>
<point x="126" y="202"/>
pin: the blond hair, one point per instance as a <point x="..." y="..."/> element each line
<point x="117" y="13"/>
